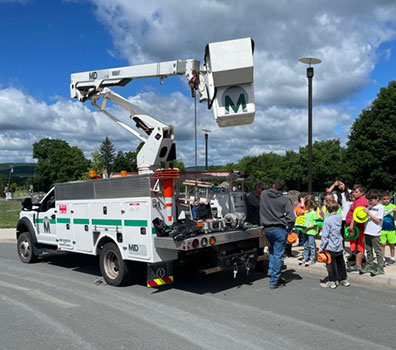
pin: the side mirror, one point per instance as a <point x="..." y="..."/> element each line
<point x="27" y="204"/>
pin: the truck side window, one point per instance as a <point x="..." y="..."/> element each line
<point x="48" y="202"/>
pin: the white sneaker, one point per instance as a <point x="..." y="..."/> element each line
<point x="345" y="283"/>
<point x="329" y="284"/>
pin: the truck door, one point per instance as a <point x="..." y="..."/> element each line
<point x="46" y="220"/>
<point x="81" y="227"/>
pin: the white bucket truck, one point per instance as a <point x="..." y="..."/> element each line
<point x="137" y="223"/>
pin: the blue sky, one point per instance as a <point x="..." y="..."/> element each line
<point x="44" y="41"/>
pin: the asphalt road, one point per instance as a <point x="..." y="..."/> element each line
<point x="55" y="304"/>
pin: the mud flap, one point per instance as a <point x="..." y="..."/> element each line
<point x="159" y="274"/>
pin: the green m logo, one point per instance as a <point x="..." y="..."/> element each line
<point x="232" y="94"/>
<point x="46" y="224"/>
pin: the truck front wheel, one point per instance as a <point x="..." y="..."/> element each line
<point x="25" y="248"/>
<point x="113" y="268"/>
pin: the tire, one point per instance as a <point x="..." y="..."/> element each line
<point x="113" y="268"/>
<point x="25" y="248"/>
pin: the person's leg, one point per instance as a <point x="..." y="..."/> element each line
<point x="288" y="250"/>
<point x="383" y="240"/>
<point x="301" y="238"/>
<point x="360" y="250"/>
<point x="391" y="242"/>
<point x="306" y="248"/>
<point x="340" y="264"/>
<point x="270" y="239"/>
<point x="369" y="251"/>
<point x="332" y="269"/>
<point x="277" y="238"/>
<point x="383" y="249"/>
<point x="392" y="253"/>
<point x="312" y="247"/>
<point x="378" y="252"/>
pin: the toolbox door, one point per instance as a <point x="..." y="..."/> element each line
<point x="137" y="229"/>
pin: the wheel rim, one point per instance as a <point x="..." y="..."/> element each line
<point x="111" y="265"/>
<point x="24" y="249"/>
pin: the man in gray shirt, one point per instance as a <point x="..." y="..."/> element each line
<point x="253" y="204"/>
<point x="277" y="217"/>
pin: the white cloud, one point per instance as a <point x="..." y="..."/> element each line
<point x="344" y="34"/>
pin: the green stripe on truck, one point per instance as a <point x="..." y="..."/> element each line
<point x="62" y="220"/>
<point x="139" y="223"/>
<point x="106" y="222"/>
<point x="81" y="221"/>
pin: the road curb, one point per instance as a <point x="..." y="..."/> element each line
<point x="7" y="235"/>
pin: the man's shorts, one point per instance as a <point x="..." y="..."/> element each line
<point x="388" y="237"/>
<point x="357" y="243"/>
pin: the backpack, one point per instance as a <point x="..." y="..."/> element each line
<point x="388" y="223"/>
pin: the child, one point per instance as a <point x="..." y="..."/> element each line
<point x="310" y="233"/>
<point x="388" y="234"/>
<point x="332" y="242"/>
<point x="356" y="245"/>
<point x="301" y="201"/>
<point x="372" y="233"/>
<point x="299" y="225"/>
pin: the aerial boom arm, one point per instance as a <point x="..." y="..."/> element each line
<point x="86" y="84"/>
<point x="157" y="137"/>
<point x="229" y="75"/>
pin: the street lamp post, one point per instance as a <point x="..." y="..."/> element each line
<point x="310" y="74"/>
<point x="206" y="131"/>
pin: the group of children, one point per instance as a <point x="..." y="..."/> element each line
<point x="369" y="231"/>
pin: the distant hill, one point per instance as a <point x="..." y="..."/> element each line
<point x="20" y="169"/>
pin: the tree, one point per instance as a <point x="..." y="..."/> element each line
<point x="328" y="164"/>
<point x="57" y="162"/>
<point x="125" y="161"/>
<point x="3" y="183"/>
<point x="293" y="171"/>
<point x="96" y="162"/>
<point x="371" y="153"/>
<point x="108" y="154"/>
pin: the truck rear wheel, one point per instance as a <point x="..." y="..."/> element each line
<point x="25" y="248"/>
<point x="114" y="269"/>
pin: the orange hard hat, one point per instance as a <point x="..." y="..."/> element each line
<point x="324" y="257"/>
<point x="292" y="238"/>
<point x="299" y="211"/>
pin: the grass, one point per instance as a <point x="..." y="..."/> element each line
<point x="9" y="213"/>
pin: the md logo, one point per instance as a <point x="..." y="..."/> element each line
<point x="93" y="75"/>
<point x="236" y="98"/>
<point x="133" y="247"/>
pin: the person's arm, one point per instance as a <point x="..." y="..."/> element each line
<point x="253" y="201"/>
<point x="325" y="236"/>
<point x="290" y="215"/>
<point x="352" y="224"/>
<point x="331" y="188"/>
<point x="376" y="219"/>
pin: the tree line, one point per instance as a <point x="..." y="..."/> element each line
<point x="58" y="162"/>
<point x="369" y="157"/>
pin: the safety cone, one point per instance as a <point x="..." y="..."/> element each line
<point x="167" y="176"/>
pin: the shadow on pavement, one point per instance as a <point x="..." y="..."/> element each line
<point x="77" y="262"/>
<point x="185" y="279"/>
